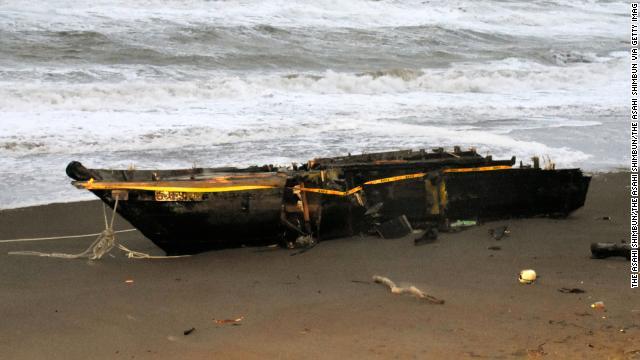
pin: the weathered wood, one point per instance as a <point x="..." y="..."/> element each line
<point x="428" y="188"/>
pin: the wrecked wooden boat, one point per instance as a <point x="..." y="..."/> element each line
<point x="199" y="209"/>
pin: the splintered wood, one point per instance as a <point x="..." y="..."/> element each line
<point x="412" y="290"/>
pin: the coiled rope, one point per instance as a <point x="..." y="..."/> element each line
<point x="101" y="246"/>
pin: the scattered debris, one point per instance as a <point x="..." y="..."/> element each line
<point x="527" y="276"/>
<point x="565" y="290"/>
<point x="598" y="305"/>
<point x="608" y="218"/>
<point x="459" y="224"/>
<point x="304" y="242"/>
<point x="129" y="281"/>
<point x="494" y="248"/>
<point x="406" y="290"/>
<point x="394" y="228"/>
<point x="430" y="235"/>
<point x="228" y="321"/>
<point x="499" y="232"/>
<point x="603" y="250"/>
<point x="189" y="331"/>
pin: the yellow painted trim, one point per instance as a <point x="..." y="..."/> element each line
<point x="443" y="193"/>
<point x="92" y="185"/>
<point x="359" y="188"/>
<point x="483" y="168"/>
<point x="323" y="191"/>
<point x="395" y="178"/>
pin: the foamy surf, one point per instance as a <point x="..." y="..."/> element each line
<point x="178" y="83"/>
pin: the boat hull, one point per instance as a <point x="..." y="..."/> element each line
<point x="224" y="220"/>
<point x="193" y="210"/>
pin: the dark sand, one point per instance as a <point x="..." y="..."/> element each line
<point x="322" y="304"/>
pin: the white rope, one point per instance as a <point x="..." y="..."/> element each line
<point x="102" y="245"/>
<point x="63" y="237"/>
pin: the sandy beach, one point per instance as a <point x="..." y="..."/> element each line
<point x="322" y="303"/>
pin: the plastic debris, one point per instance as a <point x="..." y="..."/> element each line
<point x="527" y="276"/>
<point x="499" y="232"/>
<point x="128" y="281"/>
<point x="598" y="305"/>
<point x="304" y="241"/>
<point x="462" y="224"/>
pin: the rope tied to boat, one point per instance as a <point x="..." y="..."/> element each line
<point x="101" y="246"/>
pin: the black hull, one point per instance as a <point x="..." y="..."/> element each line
<point x="225" y="220"/>
<point x="478" y="196"/>
<point x="429" y="189"/>
<point x="515" y="193"/>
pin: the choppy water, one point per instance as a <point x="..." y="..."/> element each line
<point x="176" y="83"/>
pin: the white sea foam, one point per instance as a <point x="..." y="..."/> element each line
<point x="149" y="94"/>
<point x="550" y="18"/>
<point x="171" y="83"/>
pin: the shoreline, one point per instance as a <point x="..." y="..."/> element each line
<point x="323" y="303"/>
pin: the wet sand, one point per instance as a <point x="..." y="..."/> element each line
<point x="322" y="303"/>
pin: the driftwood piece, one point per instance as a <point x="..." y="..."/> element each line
<point x="603" y="250"/>
<point x="412" y="290"/>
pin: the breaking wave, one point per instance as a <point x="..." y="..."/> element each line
<point x="149" y="94"/>
<point x="166" y="83"/>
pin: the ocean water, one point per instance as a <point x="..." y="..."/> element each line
<point x="164" y="84"/>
